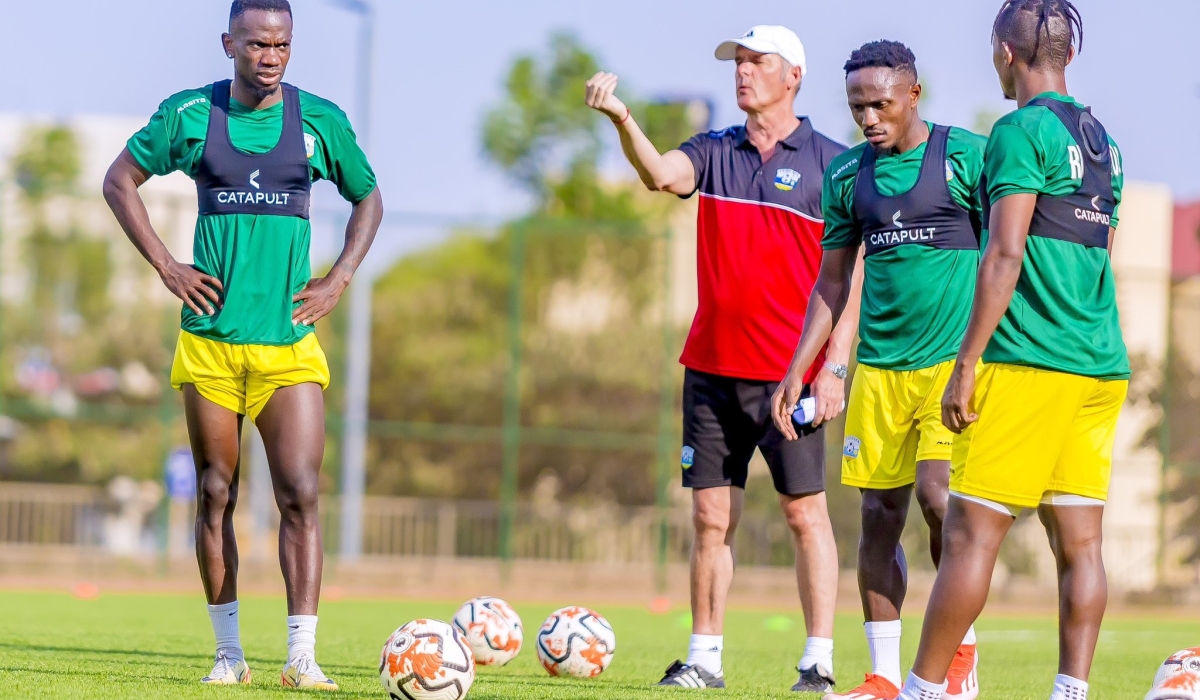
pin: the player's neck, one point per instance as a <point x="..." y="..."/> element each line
<point x="1033" y="83"/>
<point x="916" y="134"/>
<point x="255" y="98"/>
<point x="767" y="128"/>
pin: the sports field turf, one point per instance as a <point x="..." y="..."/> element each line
<point x="140" y="646"/>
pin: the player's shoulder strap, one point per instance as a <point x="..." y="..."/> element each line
<point x="1083" y="216"/>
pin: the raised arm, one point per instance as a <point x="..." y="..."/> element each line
<point x="322" y="293"/>
<point x="832" y="317"/>
<point x="199" y="291"/>
<point x="667" y="172"/>
<point x="999" y="270"/>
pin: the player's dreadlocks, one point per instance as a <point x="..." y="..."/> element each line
<point x="882" y="54"/>
<point x="1040" y="32"/>
<point x="240" y="7"/>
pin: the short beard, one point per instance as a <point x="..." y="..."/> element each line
<point x="263" y="93"/>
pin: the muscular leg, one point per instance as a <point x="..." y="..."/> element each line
<point x="816" y="559"/>
<point x="715" y="515"/>
<point x="1075" y="537"/>
<point x="971" y="535"/>
<point x="293" y="430"/>
<point x="215" y="435"/>
<point x="882" y="569"/>
<point x="933" y="495"/>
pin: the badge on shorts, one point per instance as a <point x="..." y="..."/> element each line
<point x="786" y="179"/>
<point x="851" y="447"/>
<point x="688" y="458"/>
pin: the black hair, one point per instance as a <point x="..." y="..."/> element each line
<point x="240" y="7"/>
<point x="1040" y="32"/>
<point x="882" y="54"/>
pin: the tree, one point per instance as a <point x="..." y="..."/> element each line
<point x="542" y="129"/>
<point x="48" y="162"/>
<point x="71" y="326"/>
<point x="590" y="315"/>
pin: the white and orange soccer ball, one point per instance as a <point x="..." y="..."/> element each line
<point x="426" y="660"/>
<point x="576" y="642"/>
<point x="492" y="629"/>
<point x="1178" y="677"/>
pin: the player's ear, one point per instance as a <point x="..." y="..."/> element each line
<point x="914" y="93"/>
<point x="1070" y="54"/>
<point x="227" y="44"/>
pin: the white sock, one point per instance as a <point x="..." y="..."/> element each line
<point x="704" y="650"/>
<point x="225" y="628"/>
<point x="970" y="640"/>
<point x="302" y="636"/>
<point x="916" y="688"/>
<point x="817" y="650"/>
<point x="1068" y="688"/>
<point x="883" y="639"/>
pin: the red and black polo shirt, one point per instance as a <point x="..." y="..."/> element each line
<point x="758" y="250"/>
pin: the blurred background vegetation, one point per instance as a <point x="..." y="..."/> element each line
<point x="84" y="377"/>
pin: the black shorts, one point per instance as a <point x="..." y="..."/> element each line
<point x="724" y="419"/>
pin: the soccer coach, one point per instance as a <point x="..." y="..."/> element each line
<point x="758" y="252"/>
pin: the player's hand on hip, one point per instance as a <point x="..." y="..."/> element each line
<point x="783" y="404"/>
<point x="317" y="299"/>
<point x="957" y="411"/>
<point x="600" y="96"/>
<point x="830" y="392"/>
<point x="201" y="292"/>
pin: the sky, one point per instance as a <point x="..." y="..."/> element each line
<point x="441" y="63"/>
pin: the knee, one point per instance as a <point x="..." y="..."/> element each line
<point x="957" y="539"/>
<point x="807" y="515"/>
<point x="215" y="493"/>
<point x="712" y="521"/>
<point x="932" y="499"/>
<point x="882" y="519"/>
<point x="297" y="499"/>
<point x="1084" y="550"/>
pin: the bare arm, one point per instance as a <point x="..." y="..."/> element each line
<point x="999" y="270"/>
<point x="832" y="316"/>
<point x="667" y="172"/>
<point x="321" y="294"/>
<point x="198" y="290"/>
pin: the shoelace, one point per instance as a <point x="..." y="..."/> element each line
<point x="962" y="664"/>
<point x="307" y="666"/>
<point x="222" y="666"/>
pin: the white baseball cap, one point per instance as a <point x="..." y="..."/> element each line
<point x="767" y="38"/>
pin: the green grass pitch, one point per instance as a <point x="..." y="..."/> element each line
<point x="150" y="646"/>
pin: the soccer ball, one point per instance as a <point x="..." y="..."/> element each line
<point x="426" y="660"/>
<point x="1178" y="677"/>
<point x="576" y="642"/>
<point x="491" y="628"/>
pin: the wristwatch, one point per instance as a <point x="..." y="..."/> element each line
<point x="837" y="370"/>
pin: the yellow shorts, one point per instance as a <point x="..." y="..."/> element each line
<point x="1038" y="432"/>
<point x="893" y="421"/>
<point x="242" y="378"/>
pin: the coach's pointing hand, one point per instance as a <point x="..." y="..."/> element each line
<point x="600" y="96"/>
